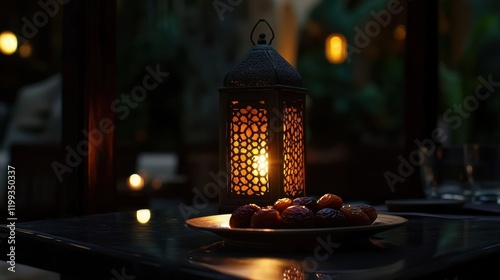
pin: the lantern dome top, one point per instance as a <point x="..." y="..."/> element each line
<point x="262" y="66"/>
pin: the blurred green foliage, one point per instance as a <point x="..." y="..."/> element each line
<point x="464" y="61"/>
<point x="190" y="41"/>
<point x="361" y="99"/>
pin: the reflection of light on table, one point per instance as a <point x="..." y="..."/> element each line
<point x="281" y="268"/>
<point x="253" y="268"/>
<point x="143" y="215"/>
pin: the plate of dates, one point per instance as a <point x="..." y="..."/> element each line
<point x="300" y="220"/>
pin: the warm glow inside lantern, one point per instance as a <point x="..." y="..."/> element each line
<point x="262" y="130"/>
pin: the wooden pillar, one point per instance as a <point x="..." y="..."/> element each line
<point x="421" y="80"/>
<point x="88" y="183"/>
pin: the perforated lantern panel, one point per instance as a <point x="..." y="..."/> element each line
<point x="248" y="154"/>
<point x="249" y="138"/>
<point x="293" y="149"/>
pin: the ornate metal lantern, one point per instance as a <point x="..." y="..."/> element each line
<point x="262" y="129"/>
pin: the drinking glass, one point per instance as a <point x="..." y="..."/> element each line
<point x="482" y="165"/>
<point x="443" y="173"/>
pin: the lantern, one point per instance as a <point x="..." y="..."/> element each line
<point x="262" y="129"/>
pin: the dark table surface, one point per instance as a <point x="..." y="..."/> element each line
<point x="118" y="246"/>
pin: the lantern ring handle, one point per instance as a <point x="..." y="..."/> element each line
<point x="255" y="26"/>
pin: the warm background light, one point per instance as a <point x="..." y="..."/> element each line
<point x="8" y="42"/>
<point x="25" y="50"/>
<point x="135" y="182"/>
<point x="336" y="48"/>
<point x="156" y="183"/>
<point x="143" y="216"/>
<point x="399" y="32"/>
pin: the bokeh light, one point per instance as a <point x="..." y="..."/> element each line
<point x="336" y="48"/>
<point x="135" y="182"/>
<point x="8" y="42"/>
<point x="143" y="215"/>
<point x="399" y="32"/>
<point x="25" y="50"/>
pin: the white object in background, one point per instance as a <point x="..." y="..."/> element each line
<point x="159" y="166"/>
<point x="36" y="115"/>
<point x="36" y="118"/>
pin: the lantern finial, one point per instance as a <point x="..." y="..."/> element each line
<point x="262" y="41"/>
<point x="262" y="66"/>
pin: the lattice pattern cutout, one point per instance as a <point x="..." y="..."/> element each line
<point x="248" y="153"/>
<point x="293" y="147"/>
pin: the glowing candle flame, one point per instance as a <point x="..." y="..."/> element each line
<point x="262" y="164"/>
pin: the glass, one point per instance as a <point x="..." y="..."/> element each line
<point x="482" y="163"/>
<point x="443" y="173"/>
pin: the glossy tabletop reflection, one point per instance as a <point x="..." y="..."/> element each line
<point x="424" y="246"/>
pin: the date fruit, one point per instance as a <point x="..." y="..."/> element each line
<point x="355" y="216"/>
<point x="266" y="218"/>
<point x="298" y="216"/>
<point x="370" y="211"/>
<point x="282" y="203"/>
<point x="303" y="212"/>
<point x="242" y="216"/>
<point x="329" y="200"/>
<point x="308" y="202"/>
<point x="329" y="217"/>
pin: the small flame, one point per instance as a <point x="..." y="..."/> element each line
<point x="262" y="164"/>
